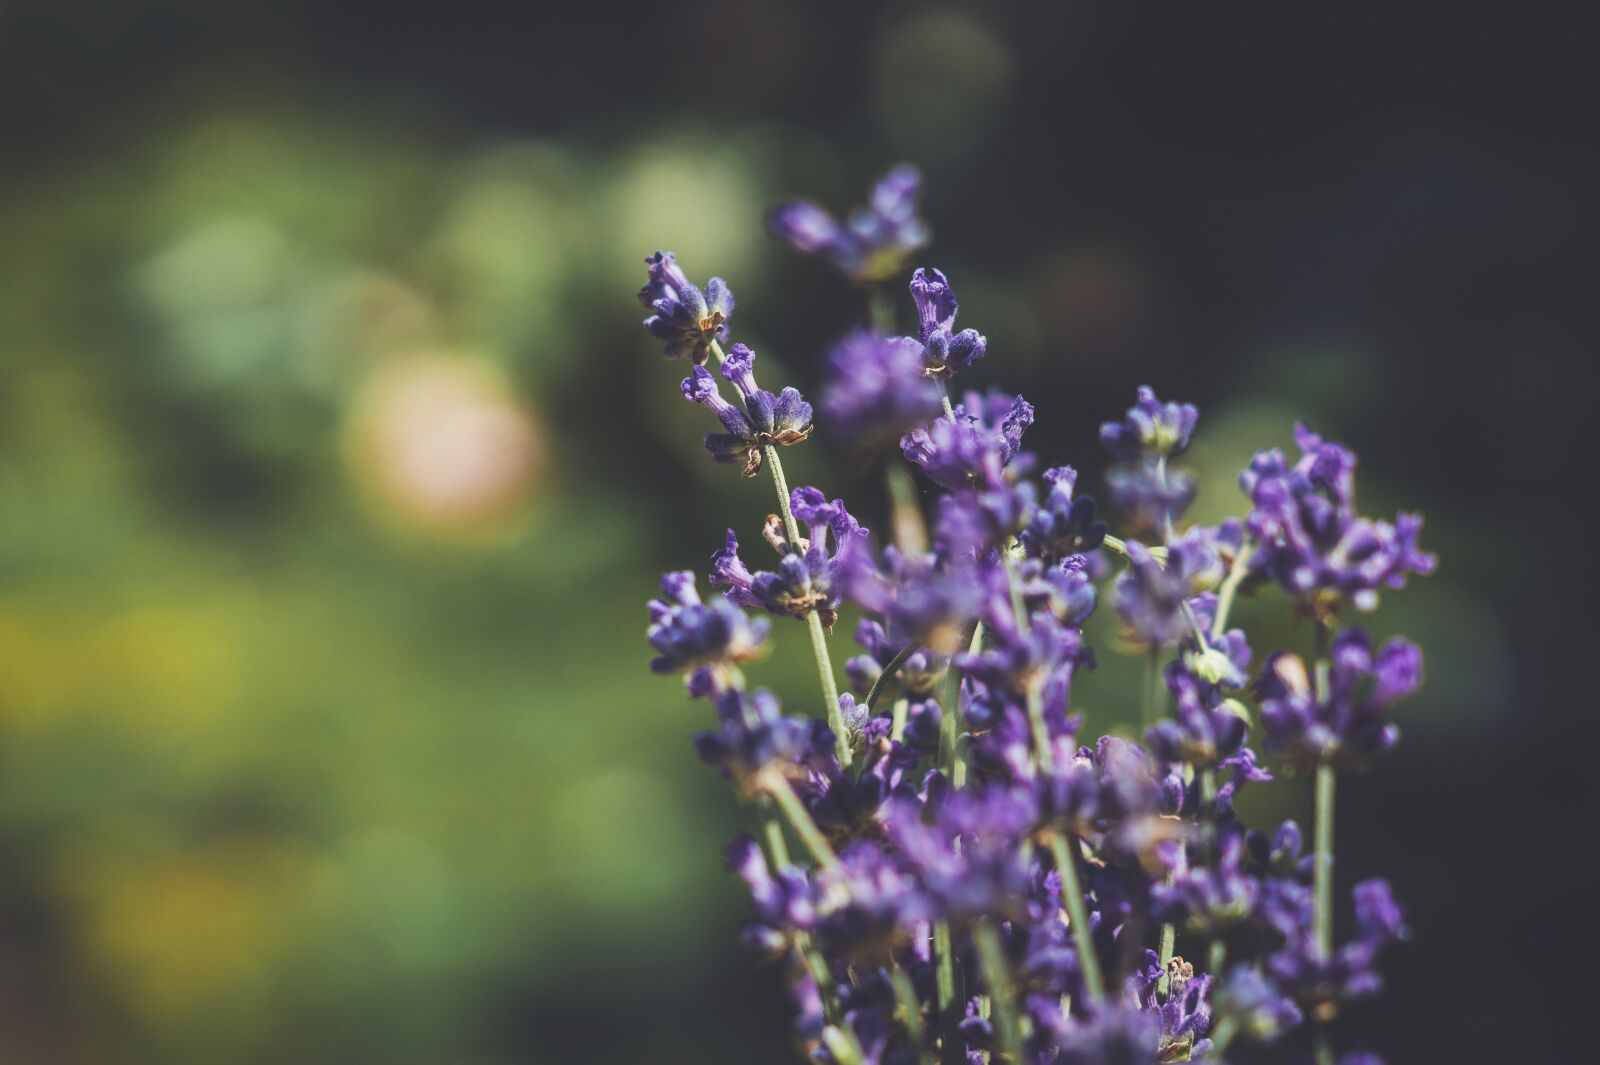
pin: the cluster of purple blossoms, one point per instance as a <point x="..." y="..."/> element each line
<point x="949" y="868"/>
<point x="764" y="419"/>
<point x="874" y="243"/>
<point x="687" y="321"/>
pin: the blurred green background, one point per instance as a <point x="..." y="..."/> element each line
<point x="335" y="469"/>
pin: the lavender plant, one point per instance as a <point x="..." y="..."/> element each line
<point x="979" y="881"/>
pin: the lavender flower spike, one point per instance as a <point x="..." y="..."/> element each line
<point x="686" y="320"/>
<point x="944" y="351"/>
<point x="690" y="635"/>
<point x="765" y="420"/>
<point x="1151" y="429"/>
<point x="874" y="244"/>
<point x="876" y="388"/>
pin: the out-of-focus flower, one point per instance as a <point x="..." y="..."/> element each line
<point x="874" y="243"/>
<point x="443" y="445"/>
<point x="875" y="388"/>
<point x="1347" y="724"/>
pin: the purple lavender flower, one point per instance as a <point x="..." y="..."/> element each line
<point x="1185" y="1015"/>
<point x="1348" y="724"/>
<point x="1202" y="733"/>
<point x="765" y="420"/>
<point x="1259" y="1010"/>
<point x="1150" y="594"/>
<point x="1151" y="429"/>
<point x="944" y="350"/>
<point x="1115" y="1035"/>
<point x="1063" y="526"/>
<point x="975" y="446"/>
<point x="868" y="905"/>
<point x="1207" y="900"/>
<point x="874" y="243"/>
<point x="1150" y="497"/>
<point x="686" y="320"/>
<point x="876" y="388"/>
<point x="986" y="874"/>
<point x="1320" y="982"/>
<point x="919" y="597"/>
<point x="690" y="635"/>
<point x="1312" y="541"/>
<point x="807" y="579"/>
<point x="1281" y="855"/>
<point x="755" y="736"/>
<point x="783" y="901"/>
<point x="916" y="675"/>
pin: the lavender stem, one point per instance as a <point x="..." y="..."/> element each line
<point x="1064" y="848"/>
<point x="819" y="639"/>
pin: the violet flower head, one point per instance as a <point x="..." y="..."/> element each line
<point x="754" y="735"/>
<point x="806" y="579"/>
<point x="1151" y="429"/>
<point x="764" y="420"/>
<point x="1063" y="525"/>
<point x="874" y="243"/>
<point x="686" y="319"/>
<point x="1320" y="981"/>
<point x="1348" y="724"/>
<point x="975" y="446"/>
<point x="783" y="901"/>
<point x="1150" y="594"/>
<point x="1312" y="541"/>
<point x="1200" y="733"/>
<point x="1114" y="1035"/>
<point x="1208" y="900"/>
<point x="1149" y="496"/>
<point x="1185" y="1015"/>
<point x="1259" y="1010"/>
<point x="690" y="635"/>
<point x="944" y="349"/>
<point x="917" y="674"/>
<point x="922" y="597"/>
<point x="876" y="388"/>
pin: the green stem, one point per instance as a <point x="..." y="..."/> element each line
<point x="1161" y="480"/>
<point x="905" y="516"/>
<point x="1035" y="694"/>
<point x="889" y="671"/>
<point x="1217" y="958"/>
<point x="1064" y="847"/>
<point x="952" y="1052"/>
<point x="906" y="996"/>
<point x="880" y="310"/>
<point x="944" y="398"/>
<point x="1322" y="866"/>
<point x="777" y="785"/>
<point x="844" y="1045"/>
<point x="819" y="638"/>
<point x="777" y="846"/>
<point x="1150" y="704"/>
<point x="1169" y="943"/>
<point x="897" y="723"/>
<point x="1222" y="1035"/>
<point x="1324" y="860"/>
<point x="992" y="953"/>
<point x="1230" y="587"/>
